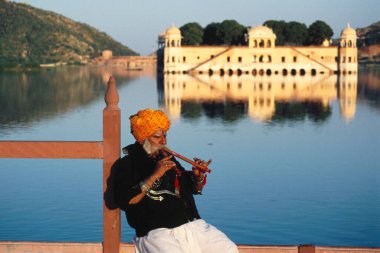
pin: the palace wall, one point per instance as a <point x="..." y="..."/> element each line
<point x="260" y="56"/>
<point x="246" y="60"/>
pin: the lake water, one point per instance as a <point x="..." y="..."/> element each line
<point x="296" y="160"/>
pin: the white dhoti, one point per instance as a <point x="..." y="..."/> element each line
<point x="193" y="237"/>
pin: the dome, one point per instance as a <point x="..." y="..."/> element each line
<point x="348" y="32"/>
<point x="261" y="32"/>
<point x="173" y="31"/>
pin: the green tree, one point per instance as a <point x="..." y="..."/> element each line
<point x="213" y="34"/>
<point x="318" y="32"/>
<point x="295" y="33"/>
<point x="278" y="28"/>
<point x="192" y="34"/>
<point x="233" y="32"/>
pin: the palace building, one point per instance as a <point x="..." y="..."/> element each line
<point x="261" y="57"/>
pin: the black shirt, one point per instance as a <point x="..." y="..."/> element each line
<point x="162" y="209"/>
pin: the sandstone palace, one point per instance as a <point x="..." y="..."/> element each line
<point x="260" y="57"/>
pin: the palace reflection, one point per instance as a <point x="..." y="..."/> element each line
<point x="262" y="98"/>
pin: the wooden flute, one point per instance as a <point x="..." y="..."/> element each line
<point x="202" y="168"/>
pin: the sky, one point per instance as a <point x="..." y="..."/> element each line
<point x="137" y="24"/>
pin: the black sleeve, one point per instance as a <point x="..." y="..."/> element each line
<point x="190" y="181"/>
<point x="126" y="186"/>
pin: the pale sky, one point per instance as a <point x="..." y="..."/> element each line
<point x="137" y="24"/>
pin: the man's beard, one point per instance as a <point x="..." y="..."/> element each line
<point x="149" y="148"/>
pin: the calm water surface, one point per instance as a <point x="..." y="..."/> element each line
<point x="295" y="160"/>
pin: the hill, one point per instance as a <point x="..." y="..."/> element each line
<point x="30" y="36"/>
<point x="369" y="44"/>
<point x="369" y="35"/>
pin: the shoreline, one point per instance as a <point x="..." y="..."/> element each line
<point x="46" y="66"/>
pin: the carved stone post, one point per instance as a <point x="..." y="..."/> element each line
<point x="111" y="152"/>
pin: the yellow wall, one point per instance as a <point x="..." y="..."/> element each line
<point x="202" y="59"/>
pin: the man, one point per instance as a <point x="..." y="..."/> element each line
<point x="156" y="194"/>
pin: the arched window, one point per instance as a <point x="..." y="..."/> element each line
<point x="261" y="59"/>
<point x="173" y="43"/>
<point x="349" y="43"/>
<point x="269" y="58"/>
<point x="261" y="43"/>
<point x="255" y="43"/>
<point x="269" y="43"/>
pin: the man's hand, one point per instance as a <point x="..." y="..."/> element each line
<point x="199" y="174"/>
<point x="162" y="166"/>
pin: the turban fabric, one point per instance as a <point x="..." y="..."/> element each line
<point x="146" y="122"/>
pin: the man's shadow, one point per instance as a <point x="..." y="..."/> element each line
<point x="109" y="194"/>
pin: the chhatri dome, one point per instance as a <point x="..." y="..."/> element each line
<point x="173" y="31"/>
<point x="348" y="32"/>
<point x="261" y="32"/>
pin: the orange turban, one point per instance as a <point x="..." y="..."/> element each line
<point x="146" y="122"/>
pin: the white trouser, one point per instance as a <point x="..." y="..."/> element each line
<point x="193" y="237"/>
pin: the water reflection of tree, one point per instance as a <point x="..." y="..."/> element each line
<point x="27" y="97"/>
<point x="228" y="112"/>
<point x="232" y="112"/>
<point x="191" y="110"/>
<point x="369" y="86"/>
<point x="299" y="111"/>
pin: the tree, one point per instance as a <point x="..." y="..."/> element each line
<point x="229" y="32"/>
<point x="278" y="28"/>
<point x="318" y="32"/>
<point x="192" y="34"/>
<point x="233" y="32"/>
<point x="295" y="33"/>
<point x="213" y="34"/>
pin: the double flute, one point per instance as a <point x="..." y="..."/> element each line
<point x="201" y="167"/>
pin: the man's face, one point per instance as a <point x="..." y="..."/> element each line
<point x="156" y="141"/>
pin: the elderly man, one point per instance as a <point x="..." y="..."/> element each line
<point x="156" y="193"/>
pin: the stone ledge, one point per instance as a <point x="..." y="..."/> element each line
<point x="72" y="247"/>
